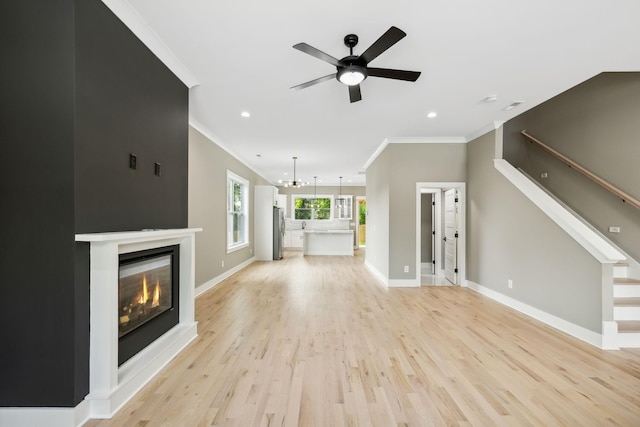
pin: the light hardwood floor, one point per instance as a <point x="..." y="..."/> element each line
<point x="317" y="341"/>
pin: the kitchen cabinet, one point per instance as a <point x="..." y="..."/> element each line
<point x="294" y="238"/>
<point x="346" y="210"/>
<point x="282" y="203"/>
<point x="263" y="221"/>
<point x="330" y="242"/>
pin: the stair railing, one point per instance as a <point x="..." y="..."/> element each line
<point x="595" y="178"/>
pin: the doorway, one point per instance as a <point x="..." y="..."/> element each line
<point x="447" y="228"/>
<point x="361" y="221"/>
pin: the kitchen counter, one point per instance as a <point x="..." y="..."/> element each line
<point x="328" y="242"/>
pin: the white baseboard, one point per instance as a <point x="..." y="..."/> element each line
<point x="392" y="283"/>
<point x="381" y="277"/>
<point x="76" y="417"/>
<point x="629" y="340"/>
<point x="210" y="284"/>
<point x="404" y="283"/>
<point x="50" y="417"/>
<point x="572" y="329"/>
<point x="610" y="335"/>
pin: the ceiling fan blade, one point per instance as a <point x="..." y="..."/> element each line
<point x="303" y="47"/>
<point x="354" y="93"/>
<point x="388" y="39"/>
<point x="314" y="82"/>
<point x="387" y="73"/>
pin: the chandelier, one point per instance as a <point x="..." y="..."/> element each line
<point x="295" y="183"/>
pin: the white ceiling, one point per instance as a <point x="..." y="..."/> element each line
<point x="240" y="54"/>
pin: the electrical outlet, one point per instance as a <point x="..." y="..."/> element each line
<point x="250" y="251"/>
<point x="510" y="283"/>
<point x="133" y="161"/>
<point x="406" y="268"/>
<point x="223" y="263"/>
<point x="614" y="229"/>
<point x="157" y="169"/>
<point x="544" y="175"/>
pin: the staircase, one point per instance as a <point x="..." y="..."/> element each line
<point x="626" y="306"/>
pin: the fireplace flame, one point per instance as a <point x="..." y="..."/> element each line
<point x="156" y="295"/>
<point x="144" y="297"/>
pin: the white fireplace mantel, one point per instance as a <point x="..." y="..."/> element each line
<point x="110" y="386"/>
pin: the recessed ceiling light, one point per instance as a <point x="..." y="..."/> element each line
<point x="245" y="114"/>
<point x="432" y="114"/>
<point x="512" y="105"/>
<point x="285" y="174"/>
<point x="491" y="98"/>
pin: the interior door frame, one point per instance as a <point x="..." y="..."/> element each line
<point x="356" y="212"/>
<point x="438" y="188"/>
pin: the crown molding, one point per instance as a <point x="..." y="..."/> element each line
<point x="413" y="140"/>
<point x="217" y="141"/>
<point x="428" y="140"/>
<point x="485" y="130"/>
<point x="130" y="17"/>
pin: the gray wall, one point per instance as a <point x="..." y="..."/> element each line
<point x="597" y="125"/>
<point x="509" y="238"/>
<point x="426" y="229"/>
<point x="208" y="164"/>
<point x="411" y="163"/>
<point x="377" y="254"/>
<point x="391" y="199"/>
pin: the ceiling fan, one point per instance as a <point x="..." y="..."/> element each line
<point x="353" y="69"/>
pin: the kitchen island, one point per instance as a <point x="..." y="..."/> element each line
<point x="329" y="242"/>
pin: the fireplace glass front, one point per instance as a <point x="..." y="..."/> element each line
<point x="147" y="295"/>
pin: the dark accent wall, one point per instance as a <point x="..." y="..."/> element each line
<point x="127" y="102"/>
<point x="79" y="93"/>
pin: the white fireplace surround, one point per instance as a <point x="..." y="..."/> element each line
<point x="110" y="386"/>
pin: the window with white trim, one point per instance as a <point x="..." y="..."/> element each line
<point x="307" y="207"/>
<point x="237" y="212"/>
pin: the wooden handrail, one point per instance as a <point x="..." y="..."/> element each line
<point x="595" y="178"/>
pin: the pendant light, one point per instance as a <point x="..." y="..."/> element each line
<point x="295" y="183"/>
<point x="340" y="201"/>
<point x="314" y="202"/>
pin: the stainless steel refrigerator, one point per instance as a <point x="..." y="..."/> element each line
<point x="278" y="232"/>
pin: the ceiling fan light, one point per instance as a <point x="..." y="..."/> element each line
<point x="352" y="75"/>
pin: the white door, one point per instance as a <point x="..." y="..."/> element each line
<point x="451" y="235"/>
<point x="433" y="233"/>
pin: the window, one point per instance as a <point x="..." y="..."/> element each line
<point x="344" y="208"/>
<point x="304" y="207"/>
<point x="237" y="212"/>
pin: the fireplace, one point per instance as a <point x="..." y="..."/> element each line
<point x="148" y="297"/>
<point x="111" y="382"/>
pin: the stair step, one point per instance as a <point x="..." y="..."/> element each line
<point x="629" y="333"/>
<point x="626" y="309"/>
<point x="620" y="270"/>
<point x="626" y="288"/>
<point x="625" y="281"/>
<point x="626" y="302"/>
<point x="629" y="326"/>
<point x="629" y="340"/>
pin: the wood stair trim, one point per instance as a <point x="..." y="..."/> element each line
<point x="626" y="302"/>
<point x="628" y="326"/>
<point x="625" y="197"/>
<point x="625" y="281"/>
